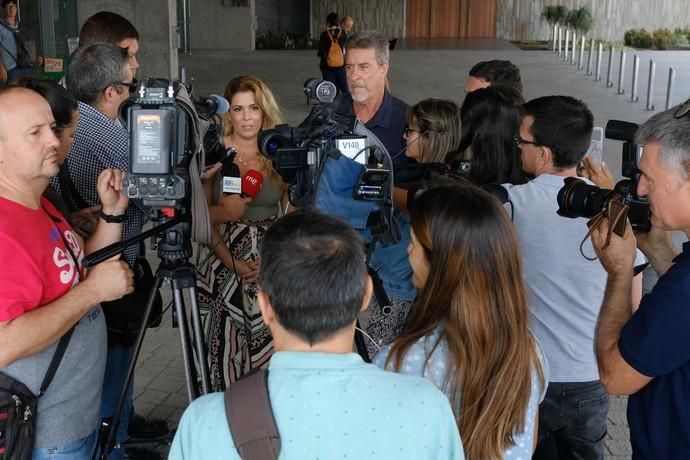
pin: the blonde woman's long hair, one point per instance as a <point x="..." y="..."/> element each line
<point x="476" y="295"/>
<point x="271" y="115"/>
<point x="438" y="121"/>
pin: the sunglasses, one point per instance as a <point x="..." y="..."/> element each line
<point x="407" y="130"/>
<point x="518" y="141"/>
<point x="131" y="86"/>
<point x="683" y="109"/>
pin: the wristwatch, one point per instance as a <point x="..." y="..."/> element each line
<point x="112" y="219"/>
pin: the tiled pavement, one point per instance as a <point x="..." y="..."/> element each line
<point x="415" y="73"/>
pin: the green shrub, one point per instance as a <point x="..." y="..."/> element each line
<point x="554" y="14"/>
<point x="580" y="19"/>
<point x="638" y="38"/>
<point x="663" y="39"/>
<point x="270" y="41"/>
<point x="680" y="40"/>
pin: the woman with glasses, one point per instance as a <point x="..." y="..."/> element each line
<point x="238" y="341"/>
<point x="432" y="133"/>
<point x="467" y="332"/>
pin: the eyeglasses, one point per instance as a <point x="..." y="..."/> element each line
<point x="131" y="86"/>
<point x="518" y="141"/>
<point x="683" y="110"/>
<point x="407" y="130"/>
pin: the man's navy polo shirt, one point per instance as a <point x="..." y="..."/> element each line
<point x="656" y="343"/>
<point x="388" y="124"/>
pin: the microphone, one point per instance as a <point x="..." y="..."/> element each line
<point x="251" y="183"/>
<point x="213" y="104"/>
<point x="232" y="182"/>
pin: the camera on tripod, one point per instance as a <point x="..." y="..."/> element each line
<point x="579" y="199"/>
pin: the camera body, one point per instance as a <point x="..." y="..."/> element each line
<point x="579" y="199"/>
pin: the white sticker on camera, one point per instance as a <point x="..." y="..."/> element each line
<point x="353" y="148"/>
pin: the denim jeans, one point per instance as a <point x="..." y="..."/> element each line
<point x="115" y="372"/>
<point x="574" y="416"/>
<point x="81" y="449"/>
<point x="337" y="76"/>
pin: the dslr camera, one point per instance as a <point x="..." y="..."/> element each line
<point x="579" y="199"/>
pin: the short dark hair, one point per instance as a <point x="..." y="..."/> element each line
<point x="62" y="103"/>
<point x="332" y="19"/>
<point x="498" y="72"/>
<point x="106" y="27"/>
<point x="313" y="270"/>
<point x="7" y="2"/>
<point x="93" y="68"/>
<point x="564" y="124"/>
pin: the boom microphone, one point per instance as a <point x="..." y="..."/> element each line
<point x="251" y="183"/>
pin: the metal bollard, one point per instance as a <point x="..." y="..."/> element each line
<point x="621" y="74"/>
<point x="650" y="85"/>
<point x="669" y="88"/>
<point x="636" y="74"/>
<point x="567" y="46"/>
<point x="589" y="57"/>
<point x="609" y="82"/>
<point x="580" y="61"/>
<point x="555" y="35"/>
<point x="597" y="77"/>
<point x="560" y="34"/>
<point x="574" y="46"/>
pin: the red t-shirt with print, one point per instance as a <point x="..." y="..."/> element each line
<point x="37" y="267"/>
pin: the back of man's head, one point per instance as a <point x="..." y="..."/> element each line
<point x="106" y="27"/>
<point x="673" y="136"/>
<point x="562" y="123"/>
<point x="93" y="68"/>
<point x="314" y="273"/>
<point x="370" y="39"/>
<point x="498" y="72"/>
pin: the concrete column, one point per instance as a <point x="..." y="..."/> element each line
<point x="156" y="21"/>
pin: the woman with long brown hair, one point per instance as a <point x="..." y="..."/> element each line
<point x="238" y="341"/>
<point x="467" y="332"/>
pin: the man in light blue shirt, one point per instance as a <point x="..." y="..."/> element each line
<point x="326" y="401"/>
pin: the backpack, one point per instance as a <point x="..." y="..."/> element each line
<point x="335" y="57"/>
<point x="23" y="58"/>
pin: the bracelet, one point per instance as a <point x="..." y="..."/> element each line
<point x="112" y="219"/>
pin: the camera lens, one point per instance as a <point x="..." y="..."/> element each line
<point x="579" y="199"/>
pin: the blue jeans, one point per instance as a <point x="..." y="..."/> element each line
<point x="81" y="449"/>
<point x="574" y="416"/>
<point x="337" y="76"/>
<point x="116" y="367"/>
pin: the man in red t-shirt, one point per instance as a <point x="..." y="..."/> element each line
<point x="44" y="292"/>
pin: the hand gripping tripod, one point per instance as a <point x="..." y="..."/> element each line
<point x="174" y="251"/>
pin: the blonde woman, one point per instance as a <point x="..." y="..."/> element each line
<point x="238" y="341"/>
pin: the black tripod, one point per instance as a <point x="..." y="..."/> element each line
<point x="174" y="251"/>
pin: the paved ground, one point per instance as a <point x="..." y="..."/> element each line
<point x="418" y="70"/>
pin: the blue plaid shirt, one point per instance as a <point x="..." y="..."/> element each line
<point x="101" y="143"/>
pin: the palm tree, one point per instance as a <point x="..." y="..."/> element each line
<point x="580" y="19"/>
<point x="554" y="14"/>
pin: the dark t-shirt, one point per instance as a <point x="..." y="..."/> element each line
<point x="325" y="44"/>
<point x="656" y="343"/>
<point x="387" y="124"/>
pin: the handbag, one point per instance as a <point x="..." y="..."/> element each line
<point x="18" y="409"/>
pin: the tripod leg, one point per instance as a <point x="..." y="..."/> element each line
<point x="109" y="444"/>
<point x="184" y="340"/>
<point x="199" y="342"/>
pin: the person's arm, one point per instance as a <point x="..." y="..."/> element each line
<point x="616" y="375"/>
<point x="658" y="248"/>
<point x="248" y="271"/>
<point x="37" y="329"/>
<point x="400" y="199"/>
<point x="114" y="203"/>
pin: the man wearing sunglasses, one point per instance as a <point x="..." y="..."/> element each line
<point x="647" y="354"/>
<point x="101" y="78"/>
<point x="565" y="289"/>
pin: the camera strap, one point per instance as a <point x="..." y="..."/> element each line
<point x="617" y="213"/>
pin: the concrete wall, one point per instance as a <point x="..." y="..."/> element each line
<point x="521" y="19"/>
<point x="386" y="16"/>
<point x="156" y="21"/>
<point x="218" y="25"/>
<point x="291" y="16"/>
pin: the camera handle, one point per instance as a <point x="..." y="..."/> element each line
<point x="174" y="252"/>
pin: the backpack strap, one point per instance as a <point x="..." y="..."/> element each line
<point x="251" y="420"/>
<point x="68" y="190"/>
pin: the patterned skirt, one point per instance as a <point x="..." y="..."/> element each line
<point x="237" y="339"/>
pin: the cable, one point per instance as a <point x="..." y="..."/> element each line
<point x="378" y="348"/>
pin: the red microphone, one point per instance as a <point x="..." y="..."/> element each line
<point x="251" y="183"/>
